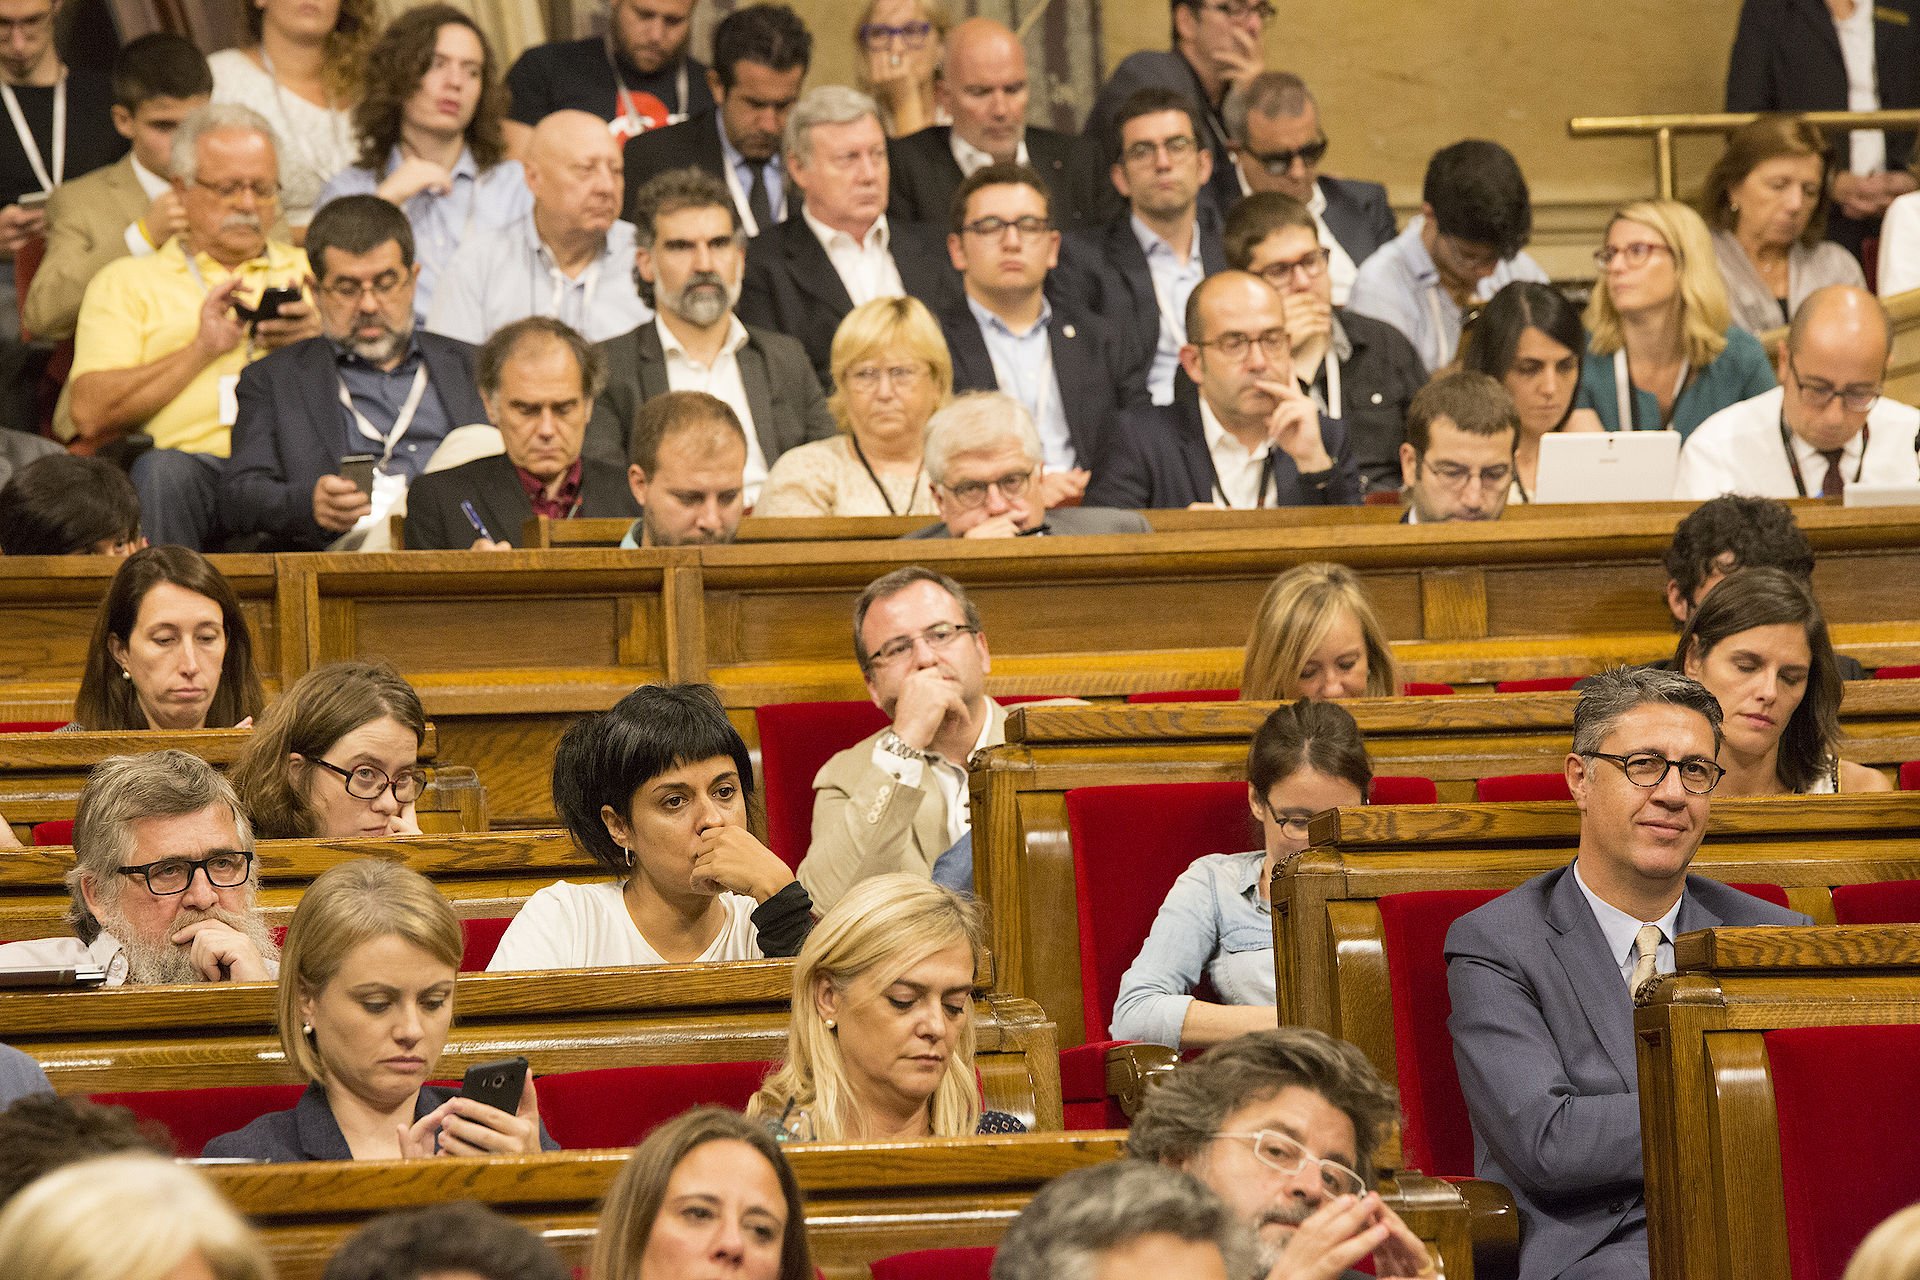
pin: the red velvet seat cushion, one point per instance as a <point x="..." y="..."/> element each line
<point x="1522" y="786"/>
<point x="936" y="1264"/>
<point x="1185" y="695"/>
<point x="1539" y="684"/>
<point x="196" y="1117"/>
<point x="1889" y="902"/>
<point x="55" y="832"/>
<point x="1389" y="790"/>
<point x="1437" y="1137"/>
<point x="1083" y="1088"/>
<point x="796" y="739"/>
<point x="1765" y="892"/>
<point x="1843" y="1096"/>
<point x="1425" y="689"/>
<point x="617" y="1106"/>
<point x="31" y="726"/>
<point x="481" y="938"/>
<point x="1910" y="776"/>
<point x="1897" y="673"/>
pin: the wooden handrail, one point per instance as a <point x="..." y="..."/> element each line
<point x="1663" y="129"/>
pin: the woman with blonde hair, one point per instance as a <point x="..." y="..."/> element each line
<point x="337" y="756"/>
<point x="891" y="371"/>
<point x="898" y="46"/>
<point x="128" y="1216"/>
<point x="706" y="1177"/>
<point x="1663" y="353"/>
<point x="1891" y="1250"/>
<point x="880" y="1047"/>
<point x="364" y="1007"/>
<point x="1316" y="636"/>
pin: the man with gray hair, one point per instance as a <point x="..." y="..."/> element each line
<point x="1544" y="978"/>
<point x="1283" y="1125"/>
<point x="1125" y="1220"/>
<point x="1273" y="124"/>
<point x="162" y="339"/>
<point x="839" y="250"/>
<point x="983" y="461"/>
<point x="163" y="881"/>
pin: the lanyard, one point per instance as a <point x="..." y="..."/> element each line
<point x="31" y="145"/>
<point x="1793" y="459"/>
<point x="589" y="281"/>
<point x="415" y="395"/>
<point x="1623" y="393"/>
<point x="1266" y="477"/>
<point x="874" y="476"/>
<point x="734" y="189"/>
<point x="635" y="122"/>
<point x="1439" y="324"/>
<point x="1330" y="363"/>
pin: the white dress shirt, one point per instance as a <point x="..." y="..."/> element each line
<point x="1866" y="148"/>
<point x="1240" y="474"/>
<point x="152" y="184"/>
<point x="721" y="380"/>
<point x="1340" y="265"/>
<point x="865" y="266"/>
<point x="1623" y="931"/>
<point x="1738" y="450"/>
<point x="1173" y="281"/>
<point x="949" y="778"/>
<point x="972" y="159"/>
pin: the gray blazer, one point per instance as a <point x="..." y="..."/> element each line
<point x="1068" y="522"/>
<point x="1542" y="1028"/>
<point x="787" y="404"/>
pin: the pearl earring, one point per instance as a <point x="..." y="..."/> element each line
<point x="306" y="1028"/>
<point x="832" y="1025"/>
<point x="125" y="674"/>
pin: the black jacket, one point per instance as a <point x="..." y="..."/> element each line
<point x="1105" y="271"/>
<point x="435" y="521"/>
<point x="924" y="175"/>
<point x="1359" y="215"/>
<point x="1377" y="382"/>
<point x="694" y="143"/>
<point x="1786" y="57"/>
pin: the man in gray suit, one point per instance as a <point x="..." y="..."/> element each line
<point x="983" y="461"/>
<point x="1543" y="979"/>
<point x="690" y="259"/>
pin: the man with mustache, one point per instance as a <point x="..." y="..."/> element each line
<point x="689" y="262"/>
<point x="1282" y="1125"/>
<point x="162" y="339"/>
<point x="1544" y="978"/>
<point x="163" y="881"/>
<point x="371" y="384"/>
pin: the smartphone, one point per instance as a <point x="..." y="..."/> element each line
<point x="358" y="467"/>
<point x="271" y="302"/>
<point x="498" y="1084"/>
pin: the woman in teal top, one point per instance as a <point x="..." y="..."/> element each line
<point x="1659" y="324"/>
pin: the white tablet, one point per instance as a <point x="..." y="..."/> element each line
<point x="1881" y="495"/>
<point x="1607" y="466"/>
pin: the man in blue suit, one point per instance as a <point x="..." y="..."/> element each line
<point x="1543" y="979"/>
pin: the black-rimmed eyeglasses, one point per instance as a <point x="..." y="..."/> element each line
<point x="364" y="782"/>
<point x="227" y="869"/>
<point x="1647" y="770"/>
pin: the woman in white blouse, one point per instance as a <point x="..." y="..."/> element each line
<point x="302" y="72"/>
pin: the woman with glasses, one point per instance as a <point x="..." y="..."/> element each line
<point x="657" y="790"/>
<point x="1216" y="924"/>
<point x="1662" y="351"/>
<point x="1316" y="636"/>
<point x="1766" y="200"/>
<point x="337" y="756"/>
<point x="897" y="48"/>
<point x="1530" y="338"/>
<point x="1758" y="642"/>
<point x="891" y="371"/>
<point x="364" y="1007"/>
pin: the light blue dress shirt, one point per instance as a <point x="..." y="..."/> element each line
<point x="775" y="180"/>
<point x="1213" y="924"/>
<point x="497" y="277"/>
<point x="1398" y="283"/>
<point x="1023" y="366"/>
<point x="1173" y="280"/>
<point x="1622" y="931"/>
<point x="442" y="223"/>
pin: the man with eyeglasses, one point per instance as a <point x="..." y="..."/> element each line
<point x="162" y="339"/>
<point x="1457" y="460"/>
<point x="897" y="800"/>
<point x="1283" y="1126"/>
<point x="371" y="385"/>
<point x="983" y="461"/>
<point x="1357" y="369"/>
<point x="1543" y="979"/>
<point x="1825" y="427"/>
<point x="1070" y="368"/>
<point x="163" y="881"/>
<point x="1240" y="432"/>
<point x="1274" y="124"/>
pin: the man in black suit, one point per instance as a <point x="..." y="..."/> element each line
<point x="538" y="378"/>
<point x="1240" y="433"/>
<point x="1071" y="370"/>
<point x="1278" y="144"/>
<point x="690" y="260"/>
<point x="760" y="56"/>
<point x="371" y="384"/>
<point x="1357" y="369"/>
<point x="984" y="87"/>
<point x="840" y="249"/>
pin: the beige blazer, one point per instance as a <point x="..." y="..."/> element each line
<point x="87" y="221"/>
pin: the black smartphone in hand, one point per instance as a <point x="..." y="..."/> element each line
<point x="358" y="467"/>
<point x="498" y="1084"/>
<point x="271" y="302"/>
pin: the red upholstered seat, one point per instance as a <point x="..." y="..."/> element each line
<point x="1390" y="790"/>
<point x="1910" y="776"/>
<point x="1425" y="689"/>
<point x="31" y="726"/>
<point x="1889" y="902"/>
<point x="1840" y="1095"/>
<point x="936" y="1264"/>
<point x="1437" y="1137"/>
<point x="1522" y="786"/>
<point x="58" y="831"/>
<point x="196" y="1117"/>
<point x="1183" y="695"/>
<point x="1897" y="673"/>
<point x="617" y="1107"/>
<point x="1539" y="684"/>
<point x="481" y="937"/>
<point x="1765" y="892"/>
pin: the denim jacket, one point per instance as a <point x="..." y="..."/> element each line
<point x="1213" y="925"/>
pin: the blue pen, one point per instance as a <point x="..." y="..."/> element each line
<point x="473" y="518"/>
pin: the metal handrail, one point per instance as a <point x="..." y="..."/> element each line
<point x="1663" y="129"/>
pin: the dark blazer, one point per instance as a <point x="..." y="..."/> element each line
<point x="436" y="523"/>
<point x="694" y="143"/>
<point x="1358" y="214"/>
<point x="792" y="288"/>
<point x="291" y="431"/>
<point x="1157" y="458"/>
<point x="1377" y="382"/>
<point x="1786" y="57"/>
<point x="788" y="408"/>
<point x="308" y="1131"/>
<point x="1105" y="271"/>
<point x="1099" y="372"/>
<point x="924" y="175"/>
<point x="1542" y="1028"/>
<point x="1065" y="522"/>
<point x="1163" y="69"/>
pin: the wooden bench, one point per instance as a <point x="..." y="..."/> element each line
<point x="864" y="1202"/>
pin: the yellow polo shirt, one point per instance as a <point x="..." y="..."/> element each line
<point x="138" y="310"/>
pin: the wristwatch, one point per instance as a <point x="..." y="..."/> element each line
<point x="895" y="745"/>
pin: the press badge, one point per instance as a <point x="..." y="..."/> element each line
<point x="229" y="399"/>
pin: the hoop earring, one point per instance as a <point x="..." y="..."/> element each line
<point x="630" y="857"/>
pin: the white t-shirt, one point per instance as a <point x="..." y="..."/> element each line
<point x="587" y="926"/>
